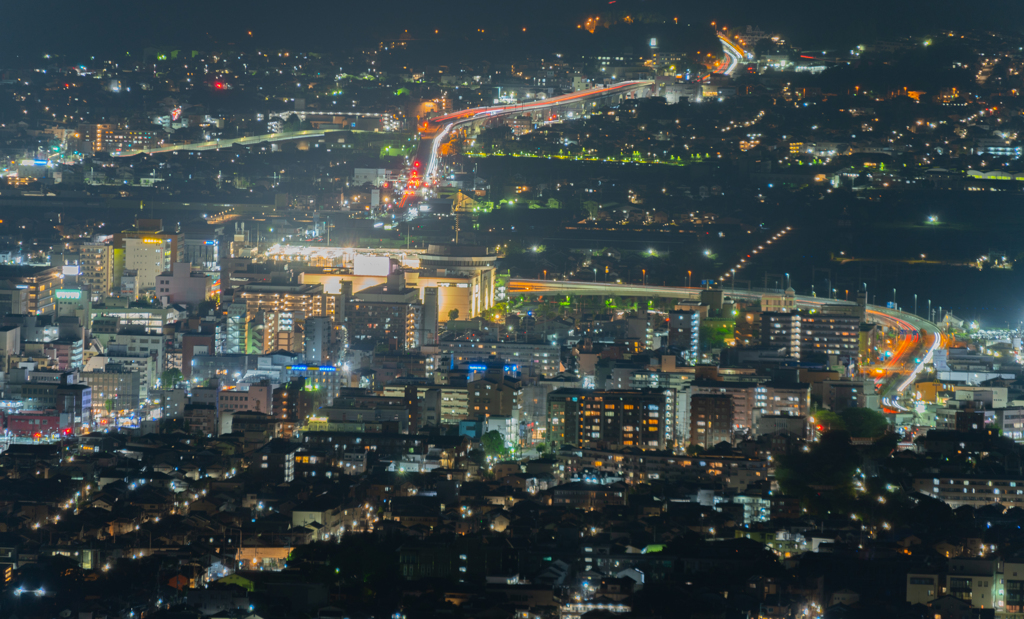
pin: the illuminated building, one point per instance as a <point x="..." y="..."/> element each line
<point x="324" y="380"/>
<point x="40" y="283"/>
<point x="151" y="251"/>
<point x="781" y="330"/>
<point x="390" y="314"/>
<point x="97" y="269"/>
<point x="640" y="418"/>
<point x="109" y="138"/>
<point x="535" y="359"/>
<point x="463" y="275"/>
<point x="710" y="420"/>
<point x="304" y="299"/>
<point x="684" y="333"/>
<point x="830" y="334"/>
<point x="183" y="285"/>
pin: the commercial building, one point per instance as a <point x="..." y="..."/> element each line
<point x="534" y="359"/>
<point x="317" y="347"/>
<point x="151" y="252"/>
<point x="463" y="275"/>
<point x="497" y="398"/>
<point x="325" y="380"/>
<point x="152" y="319"/>
<point x="115" y="388"/>
<point x="145" y="259"/>
<point x="643" y="418"/>
<point x="183" y="285"/>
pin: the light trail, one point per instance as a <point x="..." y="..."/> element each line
<point x="733" y="52"/>
<point x="443" y="125"/>
<point x="936" y="344"/>
<point x="477" y="112"/>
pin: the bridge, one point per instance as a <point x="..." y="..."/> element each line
<point x="435" y="130"/>
<point x="229" y="142"/>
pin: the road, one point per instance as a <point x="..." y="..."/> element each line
<point x="228" y="143"/>
<point x="733" y="52"/>
<point x="423" y="172"/>
<point x="910" y="329"/>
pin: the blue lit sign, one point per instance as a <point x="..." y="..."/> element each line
<point x="314" y="368"/>
<point x="479" y="367"/>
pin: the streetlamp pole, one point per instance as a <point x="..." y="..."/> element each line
<point x="915" y="305"/>
<point x="894" y="298"/>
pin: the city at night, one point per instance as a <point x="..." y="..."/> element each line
<point x="627" y="309"/>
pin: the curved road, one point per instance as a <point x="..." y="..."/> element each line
<point x="424" y="166"/>
<point x="909" y="326"/>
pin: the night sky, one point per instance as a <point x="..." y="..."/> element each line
<point x="109" y="26"/>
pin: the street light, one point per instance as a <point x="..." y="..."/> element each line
<point x="915" y="305"/>
<point x="644" y="271"/>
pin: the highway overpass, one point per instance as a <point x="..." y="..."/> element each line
<point x="909" y="326"/>
<point x="229" y="142"/>
<point x="435" y="131"/>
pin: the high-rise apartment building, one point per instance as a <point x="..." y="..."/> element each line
<point x="389" y="314"/>
<point x="830" y="334"/>
<point x="684" y="333"/>
<point x="40" y="282"/>
<point x="642" y="418"/>
<point x="711" y="419"/>
<point x="781" y="330"/>
<point x="97" y="269"/>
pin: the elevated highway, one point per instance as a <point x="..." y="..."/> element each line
<point x="435" y="131"/>
<point x="229" y="142"/>
<point x="912" y="330"/>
